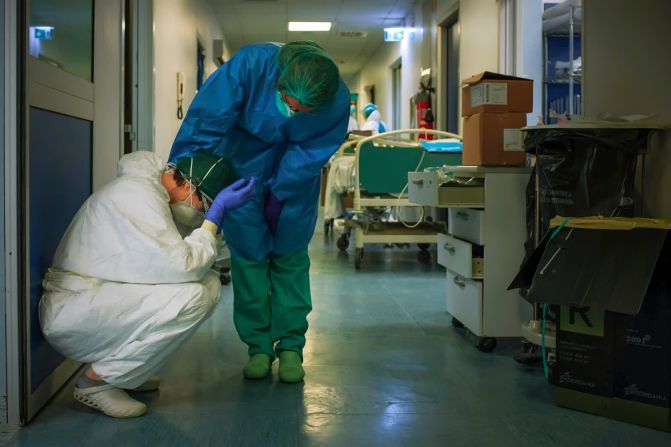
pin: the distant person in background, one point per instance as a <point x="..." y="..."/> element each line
<point x="353" y="125"/>
<point x="374" y="121"/>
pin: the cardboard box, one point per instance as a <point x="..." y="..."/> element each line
<point x="585" y="349"/>
<point x="645" y="339"/>
<point x="494" y="92"/>
<point x="614" y="332"/>
<point x="643" y="359"/>
<point x="493" y="139"/>
<point x="614" y="408"/>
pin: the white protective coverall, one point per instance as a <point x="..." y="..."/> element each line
<point x="126" y="289"/>
<point x="373" y="123"/>
<point x="352" y="125"/>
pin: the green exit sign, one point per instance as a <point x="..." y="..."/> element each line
<point x="43" y="32"/>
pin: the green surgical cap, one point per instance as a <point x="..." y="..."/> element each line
<point x="307" y="73"/>
<point x="207" y="172"/>
<point x="368" y="109"/>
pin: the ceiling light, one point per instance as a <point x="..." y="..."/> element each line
<point x="309" y="26"/>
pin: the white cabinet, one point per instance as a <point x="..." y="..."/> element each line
<point x="483" y="251"/>
<point x="459" y="256"/>
<point x="425" y="188"/>
<point x="464" y="298"/>
<point x="467" y="224"/>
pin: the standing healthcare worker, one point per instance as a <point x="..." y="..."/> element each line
<point x="373" y="119"/>
<point x="278" y="113"/>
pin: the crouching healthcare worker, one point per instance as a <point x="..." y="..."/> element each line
<point x="278" y="113"/>
<point x="125" y="288"/>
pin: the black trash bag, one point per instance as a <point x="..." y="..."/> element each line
<point x="583" y="172"/>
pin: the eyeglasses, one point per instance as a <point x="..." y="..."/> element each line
<point x="198" y="194"/>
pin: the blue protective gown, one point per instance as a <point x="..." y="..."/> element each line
<point x="234" y="115"/>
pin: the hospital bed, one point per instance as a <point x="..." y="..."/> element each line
<point x="339" y="183"/>
<point x="381" y="166"/>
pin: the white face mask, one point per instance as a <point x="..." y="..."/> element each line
<point x="185" y="214"/>
<point x="283" y="107"/>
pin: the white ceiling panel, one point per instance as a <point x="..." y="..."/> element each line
<point x="251" y="21"/>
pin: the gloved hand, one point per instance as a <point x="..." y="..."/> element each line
<point x="272" y="209"/>
<point x="230" y="198"/>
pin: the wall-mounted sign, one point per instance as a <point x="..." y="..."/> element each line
<point x="394" y="34"/>
<point x="43" y="32"/>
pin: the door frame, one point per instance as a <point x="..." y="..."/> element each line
<point x="34" y="83"/>
<point x="14" y="84"/>
<point x="450" y="16"/>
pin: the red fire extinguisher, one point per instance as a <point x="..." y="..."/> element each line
<point x="425" y="118"/>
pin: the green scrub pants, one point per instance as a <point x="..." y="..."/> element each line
<point x="272" y="301"/>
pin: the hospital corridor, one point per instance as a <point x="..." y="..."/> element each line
<point x="335" y="223"/>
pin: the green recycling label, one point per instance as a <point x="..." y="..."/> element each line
<point x="582" y="320"/>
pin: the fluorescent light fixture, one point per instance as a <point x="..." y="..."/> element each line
<point x="394" y="34"/>
<point x="309" y="26"/>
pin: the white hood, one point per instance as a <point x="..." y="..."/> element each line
<point x="140" y="164"/>
<point x="125" y="232"/>
<point x="375" y="116"/>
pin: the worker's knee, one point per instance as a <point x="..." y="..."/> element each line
<point x="212" y="285"/>
<point x="204" y="296"/>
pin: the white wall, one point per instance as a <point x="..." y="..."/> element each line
<point x="627" y="69"/>
<point x="377" y="73"/>
<point x="352" y="81"/>
<point x="179" y="24"/>
<point x="479" y="51"/>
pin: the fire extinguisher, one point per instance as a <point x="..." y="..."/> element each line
<point x="425" y="118"/>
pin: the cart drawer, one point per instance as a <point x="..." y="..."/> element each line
<point x="423" y="188"/>
<point x="468" y="224"/>
<point x="464" y="301"/>
<point x="461" y="196"/>
<point x="459" y="257"/>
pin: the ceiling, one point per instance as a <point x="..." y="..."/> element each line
<point x="251" y="21"/>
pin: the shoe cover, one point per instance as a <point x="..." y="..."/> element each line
<point x="110" y="400"/>
<point x="257" y="367"/>
<point x="291" y="367"/>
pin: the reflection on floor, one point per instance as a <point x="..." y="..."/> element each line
<point x="384" y="368"/>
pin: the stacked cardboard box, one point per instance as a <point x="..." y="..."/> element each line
<point x="494" y="107"/>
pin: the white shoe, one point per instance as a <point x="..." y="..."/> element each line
<point x="151" y="384"/>
<point x="110" y="400"/>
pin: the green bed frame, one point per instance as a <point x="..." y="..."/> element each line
<point x="384" y="169"/>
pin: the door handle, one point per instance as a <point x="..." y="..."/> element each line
<point x="449" y="248"/>
<point x="459" y="282"/>
<point x="462" y="215"/>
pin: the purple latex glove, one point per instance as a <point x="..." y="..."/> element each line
<point x="272" y="210"/>
<point x="230" y="198"/>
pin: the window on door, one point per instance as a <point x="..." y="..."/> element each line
<point x="61" y="34"/>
